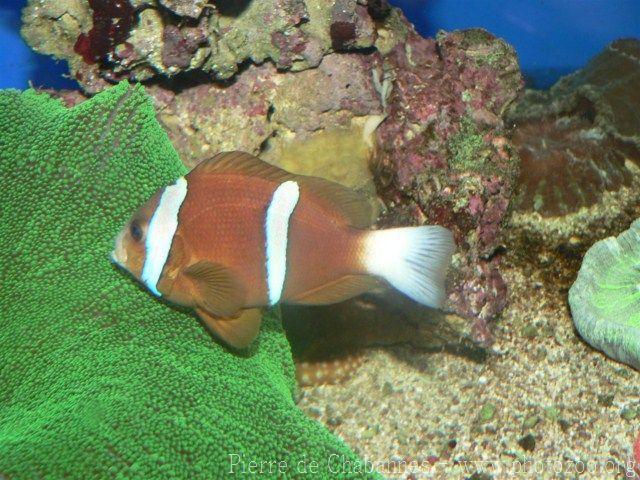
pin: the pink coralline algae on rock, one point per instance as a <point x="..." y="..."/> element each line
<point x="444" y="156"/>
<point x="636" y="457"/>
<point x="347" y="90"/>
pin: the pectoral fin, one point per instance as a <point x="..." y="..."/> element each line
<point x="237" y="332"/>
<point x="215" y="289"/>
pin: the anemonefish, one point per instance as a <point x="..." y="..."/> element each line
<point x="237" y="234"/>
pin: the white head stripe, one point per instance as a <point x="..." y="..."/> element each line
<point x="279" y="212"/>
<point x="162" y="228"/>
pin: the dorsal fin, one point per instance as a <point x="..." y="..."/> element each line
<point x="242" y="163"/>
<point x="355" y="208"/>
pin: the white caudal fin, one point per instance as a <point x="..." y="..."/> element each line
<point x="412" y="259"/>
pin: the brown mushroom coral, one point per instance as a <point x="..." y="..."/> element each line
<point x="579" y="144"/>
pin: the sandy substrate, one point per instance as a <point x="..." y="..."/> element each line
<point x="543" y="405"/>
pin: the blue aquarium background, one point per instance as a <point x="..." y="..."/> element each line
<point x="552" y="37"/>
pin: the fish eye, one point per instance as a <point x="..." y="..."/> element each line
<point x="136" y="231"/>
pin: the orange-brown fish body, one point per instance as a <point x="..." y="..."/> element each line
<point x="223" y="218"/>
<point x="240" y="234"/>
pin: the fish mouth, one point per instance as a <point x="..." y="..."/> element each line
<point x="119" y="254"/>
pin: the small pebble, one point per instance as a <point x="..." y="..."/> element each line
<point x="334" y="421"/>
<point x="480" y="476"/>
<point x="606" y="400"/>
<point x="552" y="413"/>
<point x="487" y="412"/>
<point x="531" y="421"/>
<point x="528" y="442"/>
<point x="629" y="413"/>
<point x="387" y="388"/>
<point x="530" y="331"/>
<point x="315" y="411"/>
<point x="564" y="424"/>
<point x="367" y="434"/>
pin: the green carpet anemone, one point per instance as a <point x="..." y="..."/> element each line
<point x="605" y="298"/>
<point x="98" y="379"/>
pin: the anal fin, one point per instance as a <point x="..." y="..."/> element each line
<point x="337" y="291"/>
<point x="237" y="332"/>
